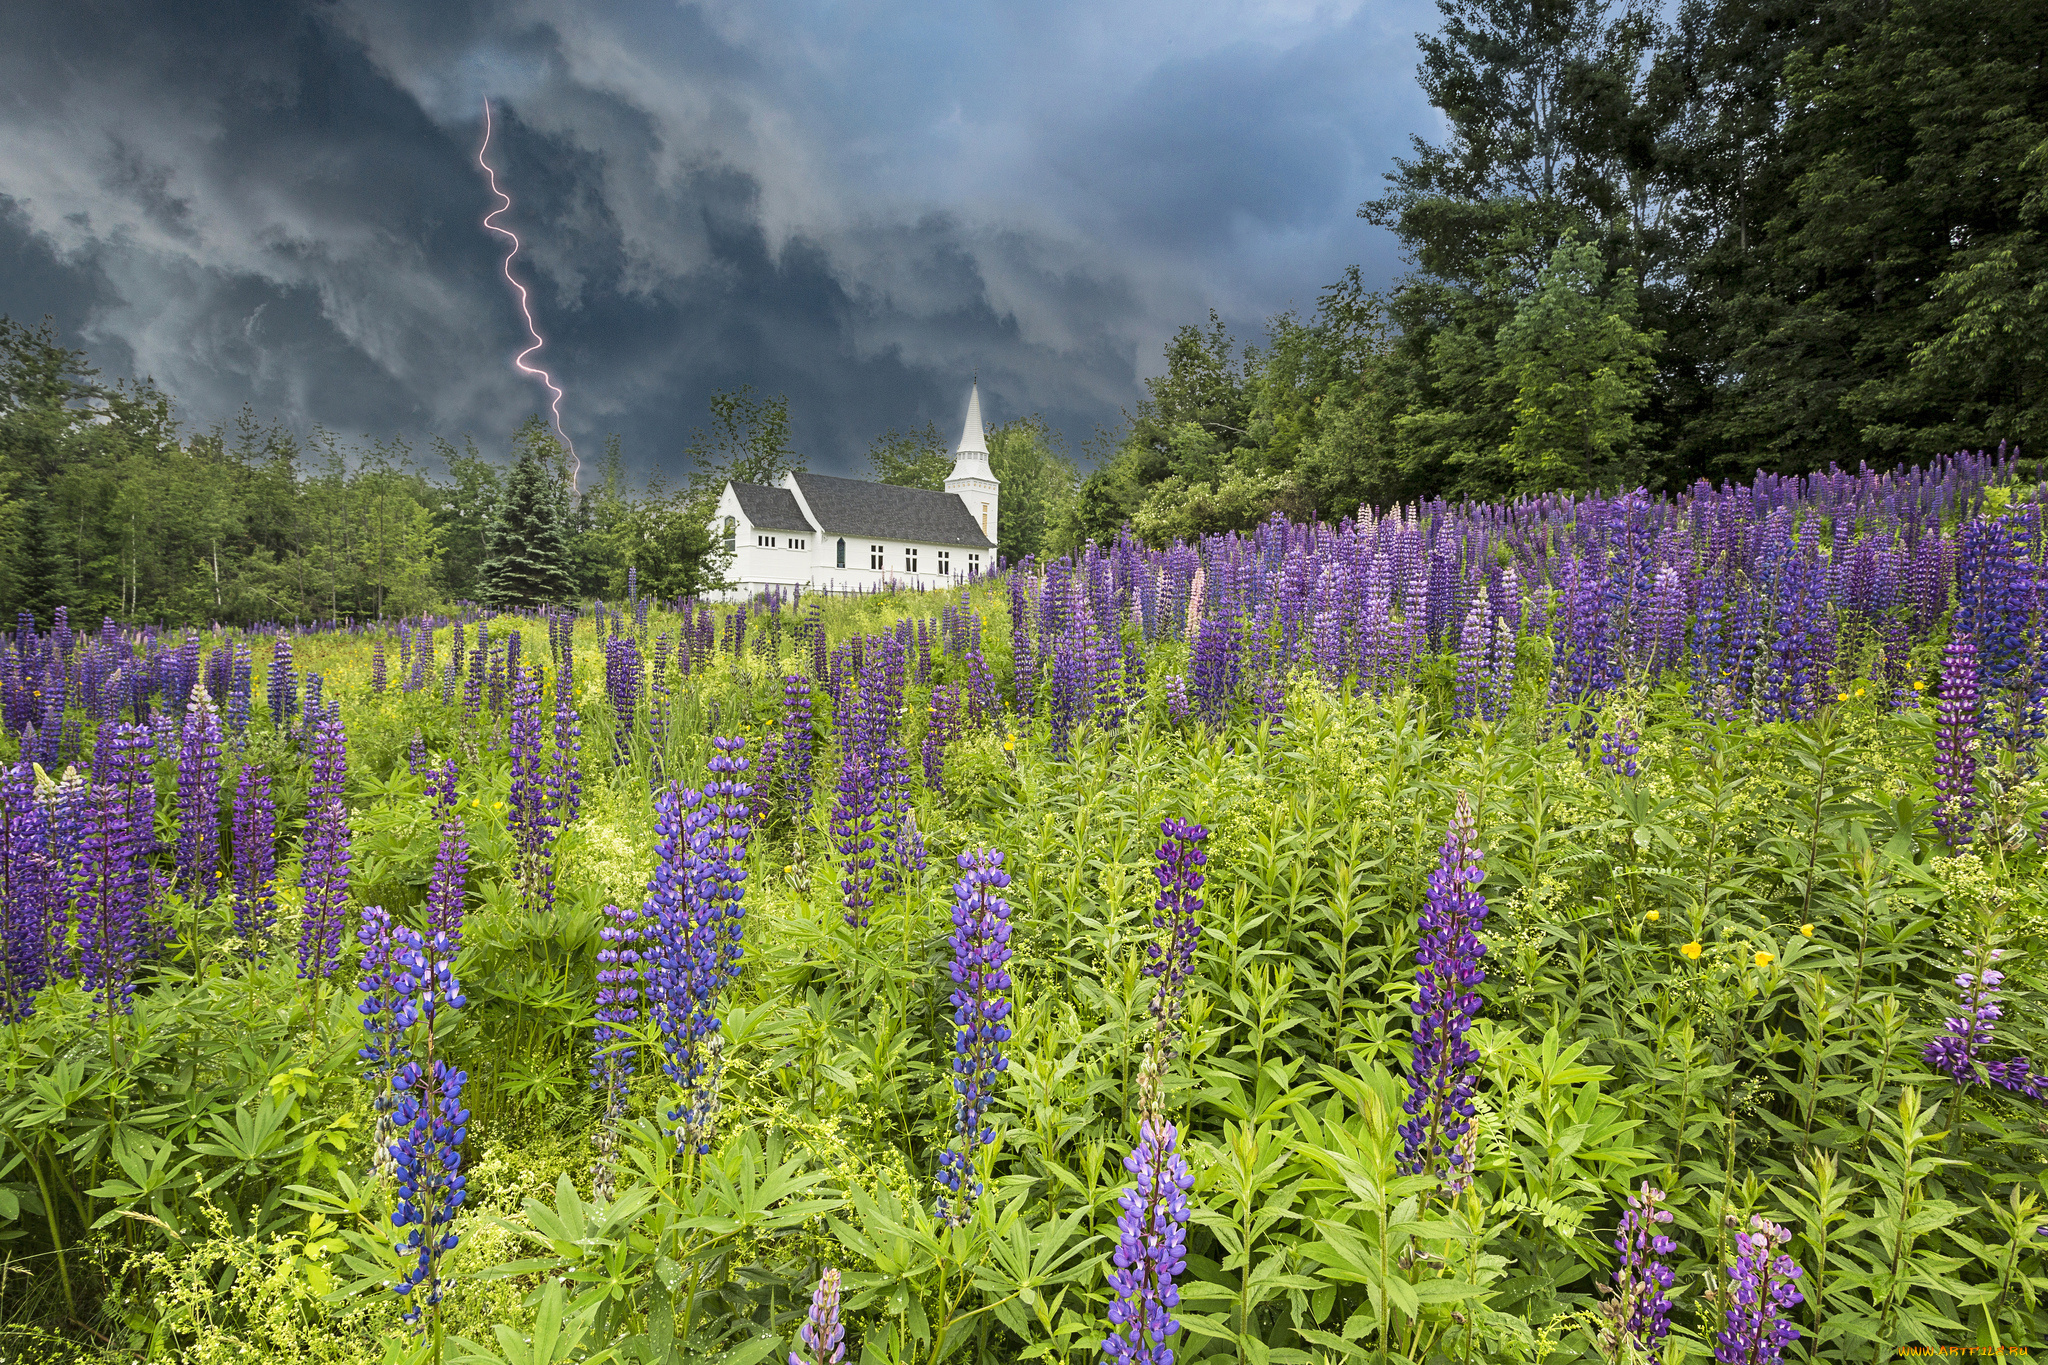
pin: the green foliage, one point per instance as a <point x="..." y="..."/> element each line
<point x="1813" y="229"/>
<point x="1037" y="481"/>
<point x="1581" y="369"/>
<point x="747" y="442"/>
<point x="912" y="459"/>
<point x="1717" y="977"/>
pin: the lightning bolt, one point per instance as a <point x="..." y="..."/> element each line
<point x="575" y="463"/>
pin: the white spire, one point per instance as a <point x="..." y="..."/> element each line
<point x="972" y="438"/>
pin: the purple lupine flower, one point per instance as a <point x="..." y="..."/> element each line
<point x="1178" y="865"/>
<point x="983" y="701"/>
<point x="447" y="889"/>
<point x="125" y="756"/>
<point x="1448" y="974"/>
<point x="660" y="706"/>
<point x="473" y="684"/>
<point x="1217" y="665"/>
<point x="823" y="1335"/>
<point x="567" y="778"/>
<point x="284" y="684"/>
<point x="1761" y="1290"/>
<point x="255" y="860"/>
<point x="670" y="966"/>
<point x="1638" y="1312"/>
<point x="721" y="878"/>
<point x="66" y="809"/>
<point x="1272" y="701"/>
<point x="695" y="923"/>
<point x="1955" y="743"/>
<point x="1134" y="677"/>
<point x="618" y="1000"/>
<point x="239" y="680"/>
<point x="385" y="1050"/>
<point x="378" y="678"/>
<point x="109" y="909"/>
<point x="799" y="746"/>
<point x="1468" y="696"/>
<point x="30" y="901"/>
<point x="429" y="1120"/>
<point x="1152" y="1227"/>
<point x="422" y="659"/>
<point x="622" y="681"/>
<point x="1619" y="745"/>
<point x="853" y="835"/>
<point x="1957" y="1052"/>
<point x="941" y="728"/>
<point x="198" y="852"/>
<point x="531" y="819"/>
<point x="1177" y="705"/>
<point x="324" y="851"/>
<point x="981" y="984"/>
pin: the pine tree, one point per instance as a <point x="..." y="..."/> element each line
<point x="38" y="589"/>
<point x="526" y="550"/>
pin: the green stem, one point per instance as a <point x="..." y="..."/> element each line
<point x="56" y="1237"/>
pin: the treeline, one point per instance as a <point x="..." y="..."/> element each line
<point x="1764" y="234"/>
<point x="108" y="508"/>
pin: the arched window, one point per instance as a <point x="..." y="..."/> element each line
<point x="732" y="532"/>
<point x="842" y="552"/>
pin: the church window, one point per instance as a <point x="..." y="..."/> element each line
<point x="910" y="559"/>
<point x="732" y="530"/>
<point x="973" y="563"/>
<point x="765" y="542"/>
<point x="842" y="552"/>
<point x="797" y="542"/>
<point x="875" y="557"/>
<point x="984" y="518"/>
<point x="945" y="561"/>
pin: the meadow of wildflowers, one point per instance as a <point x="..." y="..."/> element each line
<point x="1598" y="929"/>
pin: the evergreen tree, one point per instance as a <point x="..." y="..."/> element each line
<point x="38" y="590"/>
<point x="527" y="548"/>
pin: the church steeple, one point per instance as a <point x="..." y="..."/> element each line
<point x="973" y="480"/>
<point x="973" y="439"/>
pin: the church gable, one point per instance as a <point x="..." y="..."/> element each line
<point x="855" y="507"/>
<point x="768" y="508"/>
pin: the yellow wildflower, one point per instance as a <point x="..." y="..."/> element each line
<point x="1651" y="916"/>
<point x="1691" y="951"/>
<point x="1919" y="687"/>
<point x="1841" y="696"/>
<point x="1806" y="929"/>
<point x="1764" y="959"/>
<point x="1008" y="743"/>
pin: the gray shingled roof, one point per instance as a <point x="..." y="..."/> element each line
<point x="771" y="509"/>
<point x="858" y="508"/>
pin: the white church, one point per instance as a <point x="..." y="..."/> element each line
<point x="837" y="535"/>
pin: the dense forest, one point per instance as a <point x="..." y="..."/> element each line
<point x="1754" y="234"/>
<point x="1766" y="234"/>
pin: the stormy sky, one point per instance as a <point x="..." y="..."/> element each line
<point x="856" y="204"/>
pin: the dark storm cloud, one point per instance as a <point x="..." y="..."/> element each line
<point x="279" y="205"/>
